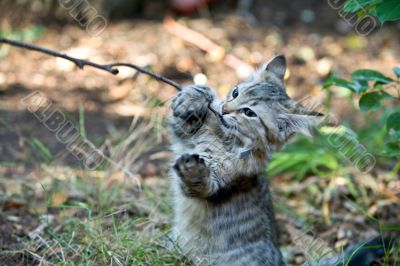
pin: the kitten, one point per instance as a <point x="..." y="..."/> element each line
<point x="223" y="208"/>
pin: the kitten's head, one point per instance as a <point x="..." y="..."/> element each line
<point x="261" y="114"/>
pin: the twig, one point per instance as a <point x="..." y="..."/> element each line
<point x="150" y="73"/>
<point x="109" y="67"/>
<point x="81" y="63"/>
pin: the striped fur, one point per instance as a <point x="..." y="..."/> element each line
<point x="223" y="208"/>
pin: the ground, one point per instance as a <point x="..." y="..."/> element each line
<point x="54" y="211"/>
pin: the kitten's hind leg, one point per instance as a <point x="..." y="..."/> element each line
<point x="194" y="174"/>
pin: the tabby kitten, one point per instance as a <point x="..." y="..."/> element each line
<point x="223" y="208"/>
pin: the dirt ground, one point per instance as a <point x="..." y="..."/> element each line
<point x="324" y="45"/>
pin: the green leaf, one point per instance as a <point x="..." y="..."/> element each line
<point x="378" y="85"/>
<point x="388" y="10"/>
<point x="393" y="122"/>
<point x="396" y="71"/>
<point x="355" y="5"/>
<point x="371" y="101"/>
<point x="387" y="95"/>
<point x="368" y="74"/>
<point x="392" y="149"/>
<point x="332" y="80"/>
<point x="372" y="10"/>
<point x="360" y="86"/>
<point x="300" y="162"/>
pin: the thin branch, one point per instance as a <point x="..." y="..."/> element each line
<point x="150" y="73"/>
<point x="81" y="63"/>
<point x="109" y="68"/>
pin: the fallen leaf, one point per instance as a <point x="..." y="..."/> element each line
<point x="59" y="198"/>
<point x="13" y="204"/>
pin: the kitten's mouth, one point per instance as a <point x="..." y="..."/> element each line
<point x="220" y="117"/>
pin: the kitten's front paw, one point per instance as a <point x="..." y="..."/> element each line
<point x="192" y="102"/>
<point x="192" y="169"/>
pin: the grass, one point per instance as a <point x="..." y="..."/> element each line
<point x="97" y="217"/>
<point x="100" y="217"/>
<point x="108" y="227"/>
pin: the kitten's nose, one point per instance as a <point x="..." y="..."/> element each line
<point x="224" y="111"/>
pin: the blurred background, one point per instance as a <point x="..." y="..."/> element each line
<point x="54" y="211"/>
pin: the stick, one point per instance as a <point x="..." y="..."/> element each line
<point x="150" y="73"/>
<point x="81" y="63"/>
<point x="109" y="68"/>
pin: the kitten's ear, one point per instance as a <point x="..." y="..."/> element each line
<point x="289" y="124"/>
<point x="293" y="107"/>
<point x="277" y="66"/>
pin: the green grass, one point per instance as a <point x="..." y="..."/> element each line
<point x="100" y="222"/>
<point x="109" y="226"/>
<point x="28" y="34"/>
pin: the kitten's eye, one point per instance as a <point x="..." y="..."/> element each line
<point x="235" y="93"/>
<point x="248" y="112"/>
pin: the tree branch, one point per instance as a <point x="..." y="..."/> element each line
<point x="109" y="68"/>
<point x="150" y="73"/>
<point x="81" y="63"/>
